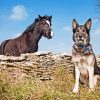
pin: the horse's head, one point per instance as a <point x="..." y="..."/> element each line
<point x="45" y="26"/>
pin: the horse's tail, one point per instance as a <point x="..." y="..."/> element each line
<point x="0" y="50"/>
<point x="2" y="47"/>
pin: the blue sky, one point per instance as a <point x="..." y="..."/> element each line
<point x="17" y="15"/>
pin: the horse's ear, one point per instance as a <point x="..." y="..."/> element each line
<point x="51" y="17"/>
<point x="88" y="24"/>
<point x="74" y="24"/>
<point x="40" y="17"/>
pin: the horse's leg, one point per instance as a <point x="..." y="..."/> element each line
<point x="13" y="50"/>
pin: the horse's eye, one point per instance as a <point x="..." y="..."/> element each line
<point x="43" y="22"/>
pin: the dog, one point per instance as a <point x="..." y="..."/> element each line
<point x="83" y="57"/>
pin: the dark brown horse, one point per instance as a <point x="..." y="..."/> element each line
<point x="28" y="41"/>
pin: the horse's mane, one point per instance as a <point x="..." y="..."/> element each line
<point x="30" y="28"/>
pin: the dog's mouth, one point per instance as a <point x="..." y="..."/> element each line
<point x="80" y="41"/>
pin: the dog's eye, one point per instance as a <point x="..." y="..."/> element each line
<point x="83" y="30"/>
<point x="77" y="30"/>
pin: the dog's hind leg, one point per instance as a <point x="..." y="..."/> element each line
<point x="95" y="79"/>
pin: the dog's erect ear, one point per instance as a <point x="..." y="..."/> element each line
<point x="88" y="24"/>
<point x="74" y="24"/>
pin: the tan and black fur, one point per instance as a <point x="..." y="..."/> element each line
<point x="83" y="57"/>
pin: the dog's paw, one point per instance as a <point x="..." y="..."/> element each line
<point x="75" y="90"/>
<point x="91" y="89"/>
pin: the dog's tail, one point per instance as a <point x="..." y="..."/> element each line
<point x="96" y="69"/>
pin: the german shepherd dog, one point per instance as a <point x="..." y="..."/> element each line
<point x="83" y="57"/>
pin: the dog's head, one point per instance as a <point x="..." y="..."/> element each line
<point x="81" y="32"/>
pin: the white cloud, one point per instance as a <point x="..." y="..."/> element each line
<point x="97" y="32"/>
<point x="95" y="20"/>
<point x="61" y="44"/>
<point x="16" y="35"/>
<point x="63" y="47"/>
<point x="18" y="13"/>
<point x="67" y="28"/>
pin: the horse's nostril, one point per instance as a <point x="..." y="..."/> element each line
<point x="49" y="37"/>
<point x="52" y="34"/>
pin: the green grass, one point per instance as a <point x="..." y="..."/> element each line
<point x="58" y="89"/>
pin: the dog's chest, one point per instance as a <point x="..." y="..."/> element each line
<point x="83" y="58"/>
<point x="83" y="61"/>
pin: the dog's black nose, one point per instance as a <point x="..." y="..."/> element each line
<point x="80" y="36"/>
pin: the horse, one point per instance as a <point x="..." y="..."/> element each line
<point x="27" y="42"/>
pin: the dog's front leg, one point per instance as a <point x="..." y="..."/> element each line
<point x="91" y="77"/>
<point x="77" y="76"/>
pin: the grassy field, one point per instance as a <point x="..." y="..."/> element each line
<point x="60" y="88"/>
